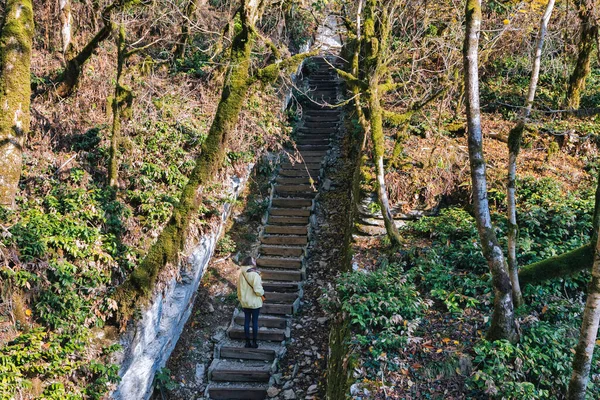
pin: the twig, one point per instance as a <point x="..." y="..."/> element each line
<point x="65" y="163"/>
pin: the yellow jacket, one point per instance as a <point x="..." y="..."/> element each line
<point x="249" y="288"/>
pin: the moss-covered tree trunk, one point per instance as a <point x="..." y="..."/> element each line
<point x="184" y="36"/>
<point x="121" y="106"/>
<point x="16" y="39"/>
<point x="514" y="146"/>
<point x="503" y="319"/>
<point x="587" y="41"/>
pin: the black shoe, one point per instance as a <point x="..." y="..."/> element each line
<point x="248" y="345"/>
<point x="254" y="344"/>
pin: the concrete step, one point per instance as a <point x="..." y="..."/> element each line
<point x="239" y="371"/>
<point x="285" y="240"/>
<point x="286" y="230"/>
<point x="268" y="334"/>
<point x="291" y="212"/>
<point x="279" y="275"/>
<point x="284" y="220"/>
<point x="264" y="321"/>
<point x="241" y="391"/>
<point x="291" y="203"/>
<point x="242" y="353"/>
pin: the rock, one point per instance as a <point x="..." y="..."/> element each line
<point x="219" y="335"/>
<point x="312" y="389"/>
<point x="287" y="385"/>
<point x="277" y="378"/>
<point x="322" y="320"/>
<point x="308" y="353"/>
<point x="295" y="371"/>
<point x="289" y="394"/>
<point x="200" y="371"/>
<point x="355" y="389"/>
<point x="327" y="184"/>
<point x="210" y="308"/>
<point x="273" y="391"/>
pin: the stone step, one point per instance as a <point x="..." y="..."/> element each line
<point x="291" y="212"/>
<point x="312" y="147"/>
<point x="278" y="297"/>
<point x="282" y="275"/>
<point x="315" y="142"/>
<point x="322" y="118"/>
<point x="321" y="153"/>
<point x="305" y="180"/>
<point x="282" y="287"/>
<point x="278" y="309"/>
<point x="291" y="203"/>
<point x="242" y="353"/>
<point x="302" y="166"/>
<point x="313" y="112"/>
<point x="312" y="160"/>
<point x="279" y="262"/>
<point x="300" y="189"/>
<point x="285" y="240"/>
<point x="286" y="230"/>
<point x="309" y="125"/>
<point x="311" y="134"/>
<point x="268" y="334"/>
<point x="239" y="371"/>
<point x="325" y="132"/>
<point x="285" y="220"/>
<point x="241" y="391"/>
<point x="294" y="173"/>
<point x="264" y="321"/>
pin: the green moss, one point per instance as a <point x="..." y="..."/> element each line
<point x="560" y="266"/>
<point x="15" y="92"/>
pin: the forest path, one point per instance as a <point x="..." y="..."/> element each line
<point x="237" y="372"/>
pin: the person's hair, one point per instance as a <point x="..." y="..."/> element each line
<point x="249" y="261"/>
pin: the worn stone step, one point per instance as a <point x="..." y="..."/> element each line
<point x="301" y="166"/>
<point x="282" y="287"/>
<point x="239" y="371"/>
<point x="281" y="297"/>
<point x="282" y="275"/>
<point x="285" y="220"/>
<point x="279" y="262"/>
<point x="323" y="132"/>
<point x="285" y="240"/>
<point x="312" y="147"/>
<point x="268" y="334"/>
<point x="291" y="203"/>
<point x="312" y="160"/>
<point x="292" y="212"/>
<point x="313" y="112"/>
<point x="278" y="309"/>
<point x="317" y="142"/>
<point x="321" y="153"/>
<point x="294" y="173"/>
<point x="286" y="230"/>
<point x="322" y="118"/>
<point x="242" y="353"/>
<point x="305" y="180"/>
<point x="294" y="189"/>
<point x="236" y="391"/>
<point x="264" y="321"/>
<point x="311" y="125"/>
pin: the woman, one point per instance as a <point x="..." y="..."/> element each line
<point x="251" y="295"/>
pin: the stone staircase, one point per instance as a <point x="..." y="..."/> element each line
<point x="240" y="373"/>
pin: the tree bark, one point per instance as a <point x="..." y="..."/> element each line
<point x="65" y="21"/>
<point x="16" y="39"/>
<point x="185" y="30"/>
<point x="515" y="138"/>
<point x="584" y="351"/>
<point x="503" y="323"/>
<point x="589" y="32"/>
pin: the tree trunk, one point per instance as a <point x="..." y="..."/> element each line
<point x="16" y="39"/>
<point x="503" y="324"/>
<point x="376" y="125"/>
<point x="185" y="30"/>
<point x="120" y="104"/>
<point x="589" y="33"/>
<point x="514" y="146"/>
<point x="584" y="351"/>
<point x="65" y="21"/>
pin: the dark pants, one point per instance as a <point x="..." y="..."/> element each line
<point x="251" y="313"/>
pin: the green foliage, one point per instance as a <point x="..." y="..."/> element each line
<point x="384" y="308"/>
<point x="226" y="245"/>
<point x="163" y="380"/>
